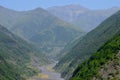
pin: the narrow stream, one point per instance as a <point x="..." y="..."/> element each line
<point x="48" y="73"/>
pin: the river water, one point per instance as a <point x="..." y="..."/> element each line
<point x="48" y="73"/>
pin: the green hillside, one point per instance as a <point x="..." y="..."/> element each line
<point x="89" y="44"/>
<point x="105" y="58"/>
<point x="69" y="46"/>
<point x="18" y="56"/>
<point x="7" y="71"/>
<point x="40" y="28"/>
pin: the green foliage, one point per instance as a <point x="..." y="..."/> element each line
<point x="17" y="54"/>
<point x="90" y="68"/>
<point x="8" y="71"/>
<point x="40" y="28"/>
<point x="89" y="44"/>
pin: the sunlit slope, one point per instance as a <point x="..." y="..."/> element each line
<point x="89" y="44"/>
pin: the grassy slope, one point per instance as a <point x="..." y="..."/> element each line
<point x="8" y="71"/>
<point x="40" y="28"/>
<point x="91" y="67"/>
<point x="19" y="54"/>
<point x="89" y="44"/>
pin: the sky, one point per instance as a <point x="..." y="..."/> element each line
<point x="22" y="5"/>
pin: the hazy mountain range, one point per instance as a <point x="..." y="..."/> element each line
<point x="30" y="39"/>
<point x="87" y="19"/>
<point x="40" y="28"/>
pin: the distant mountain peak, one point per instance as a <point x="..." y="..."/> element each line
<point x="75" y="6"/>
<point x="38" y="9"/>
<point x="70" y="12"/>
<point x="114" y="8"/>
<point x="70" y="6"/>
<point x="2" y="8"/>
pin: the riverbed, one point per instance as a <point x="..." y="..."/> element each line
<point x="48" y="73"/>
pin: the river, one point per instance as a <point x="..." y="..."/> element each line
<point x="48" y="73"/>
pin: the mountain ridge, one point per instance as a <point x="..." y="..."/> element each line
<point x="42" y="29"/>
<point x="89" y="44"/>
<point x="87" y="20"/>
<point x="17" y="54"/>
<point x="104" y="64"/>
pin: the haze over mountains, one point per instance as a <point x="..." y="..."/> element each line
<point x="85" y="48"/>
<point x="105" y="62"/>
<point x="17" y="56"/>
<point x="48" y="32"/>
<point x="89" y="44"/>
<point x="40" y="28"/>
<point x="87" y="19"/>
<point x="68" y="13"/>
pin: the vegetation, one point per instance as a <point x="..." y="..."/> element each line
<point x="91" y="67"/>
<point x="47" y="32"/>
<point x="89" y="44"/>
<point x="8" y="71"/>
<point x="17" y="56"/>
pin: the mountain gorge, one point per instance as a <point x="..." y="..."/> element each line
<point x="40" y="28"/>
<point x="89" y="44"/>
<point x="72" y="42"/>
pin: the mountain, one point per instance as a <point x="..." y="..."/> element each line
<point x="91" y="19"/>
<point x="8" y="16"/>
<point x="85" y="18"/>
<point x="17" y="57"/>
<point x="7" y="72"/>
<point x="89" y="44"/>
<point x="103" y="64"/>
<point x="42" y="29"/>
<point x="68" y="12"/>
<point x="68" y="47"/>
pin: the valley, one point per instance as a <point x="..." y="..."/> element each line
<point x="67" y="42"/>
<point x="47" y="73"/>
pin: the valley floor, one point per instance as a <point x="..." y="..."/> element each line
<point x="48" y="73"/>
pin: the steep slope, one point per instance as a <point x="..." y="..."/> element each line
<point x="91" y="19"/>
<point x="89" y="44"/>
<point x="69" y="46"/>
<point x="103" y="64"/>
<point x="7" y="72"/>
<point x="42" y="29"/>
<point x="86" y="19"/>
<point x="20" y="54"/>
<point x="8" y="16"/>
<point x="68" y="13"/>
